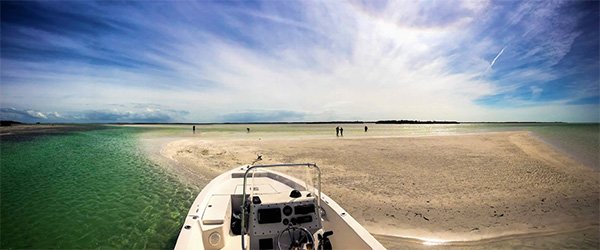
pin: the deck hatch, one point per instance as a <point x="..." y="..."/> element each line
<point x="216" y="210"/>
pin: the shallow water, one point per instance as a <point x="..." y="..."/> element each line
<point x="580" y="141"/>
<point x="87" y="189"/>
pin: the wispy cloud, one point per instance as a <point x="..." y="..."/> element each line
<point x="535" y="91"/>
<point x="222" y="61"/>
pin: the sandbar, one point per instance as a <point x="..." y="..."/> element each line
<point x="452" y="188"/>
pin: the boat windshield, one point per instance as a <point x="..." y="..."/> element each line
<point x="304" y="177"/>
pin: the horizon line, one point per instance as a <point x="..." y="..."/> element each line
<point x="416" y="122"/>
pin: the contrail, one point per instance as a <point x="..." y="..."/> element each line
<point x="496" y="58"/>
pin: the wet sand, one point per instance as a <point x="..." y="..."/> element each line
<point x="431" y="189"/>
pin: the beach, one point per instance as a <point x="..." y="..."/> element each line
<point x="436" y="189"/>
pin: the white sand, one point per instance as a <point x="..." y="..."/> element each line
<point x="449" y="188"/>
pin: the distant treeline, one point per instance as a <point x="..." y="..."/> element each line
<point x="239" y="123"/>
<point x="324" y="122"/>
<point x="275" y="123"/>
<point x="9" y="123"/>
<point x="415" y="122"/>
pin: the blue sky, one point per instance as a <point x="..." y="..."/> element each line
<point x="185" y="61"/>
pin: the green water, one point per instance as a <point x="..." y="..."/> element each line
<point x="87" y="189"/>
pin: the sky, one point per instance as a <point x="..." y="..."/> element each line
<point x="257" y="61"/>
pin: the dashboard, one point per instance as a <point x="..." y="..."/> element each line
<point x="269" y="219"/>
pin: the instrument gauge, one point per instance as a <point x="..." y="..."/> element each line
<point x="287" y="210"/>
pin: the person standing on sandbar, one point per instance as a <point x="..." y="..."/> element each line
<point x="194" y="129"/>
<point x="341" y="132"/>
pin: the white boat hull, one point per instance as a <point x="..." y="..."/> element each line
<point x="208" y="223"/>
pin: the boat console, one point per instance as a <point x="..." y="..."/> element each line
<point x="274" y="223"/>
<point x="282" y="220"/>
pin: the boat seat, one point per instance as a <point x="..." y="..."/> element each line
<point x="216" y="210"/>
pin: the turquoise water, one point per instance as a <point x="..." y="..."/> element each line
<point x="87" y="189"/>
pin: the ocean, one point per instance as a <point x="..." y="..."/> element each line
<point x="87" y="189"/>
<point x="98" y="187"/>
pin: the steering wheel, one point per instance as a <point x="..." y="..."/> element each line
<point x="295" y="236"/>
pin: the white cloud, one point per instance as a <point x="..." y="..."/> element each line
<point x="535" y="91"/>
<point x="332" y="60"/>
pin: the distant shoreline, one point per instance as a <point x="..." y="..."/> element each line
<point x="28" y="129"/>
<point x="6" y="123"/>
<point x="340" y="122"/>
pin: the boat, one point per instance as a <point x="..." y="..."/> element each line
<point x="276" y="206"/>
